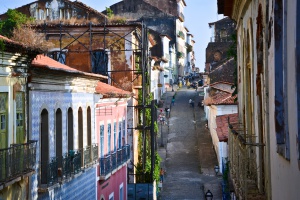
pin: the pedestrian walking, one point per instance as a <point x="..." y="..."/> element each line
<point x="161" y="175"/>
<point x="173" y="100"/>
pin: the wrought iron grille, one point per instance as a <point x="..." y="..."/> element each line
<point x="17" y="160"/>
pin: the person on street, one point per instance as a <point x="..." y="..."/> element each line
<point x="173" y="100"/>
<point x="161" y="175"/>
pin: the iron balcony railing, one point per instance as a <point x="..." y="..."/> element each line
<point x="95" y="152"/>
<point x="115" y="159"/>
<point x="17" y="160"/>
<point x="60" y="168"/>
<point x="244" y="165"/>
<point x="105" y="165"/>
<point x="49" y="172"/>
<point x="87" y="155"/>
<point x="119" y="157"/>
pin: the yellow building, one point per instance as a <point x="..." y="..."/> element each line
<point x="17" y="151"/>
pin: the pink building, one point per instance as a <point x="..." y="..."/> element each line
<point x="111" y="133"/>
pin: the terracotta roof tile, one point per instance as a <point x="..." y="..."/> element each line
<point x="109" y="91"/>
<point x="223" y="98"/>
<point x="224" y="72"/>
<point x="46" y="62"/>
<point x="222" y="125"/>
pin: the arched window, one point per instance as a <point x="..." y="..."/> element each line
<point x="58" y="132"/>
<point x="70" y="130"/>
<point x="89" y="127"/>
<point x="44" y="149"/>
<point x="80" y="133"/>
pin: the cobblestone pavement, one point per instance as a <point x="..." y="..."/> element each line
<point x="187" y="153"/>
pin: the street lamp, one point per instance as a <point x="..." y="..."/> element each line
<point x="217" y="169"/>
<point x="208" y="195"/>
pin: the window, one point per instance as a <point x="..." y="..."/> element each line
<point x="115" y="136"/>
<point x="59" y="56"/>
<point x="89" y="127"/>
<point x="80" y="134"/>
<point x="61" y="14"/>
<point x="281" y="111"/>
<point x="111" y="196"/>
<point x="120" y="135"/>
<point x="100" y="62"/>
<point x="3" y="120"/>
<point x="70" y="130"/>
<point x="124" y="132"/>
<point x="101" y="141"/>
<point x="44" y="148"/>
<point x="121" y="192"/>
<point x="58" y="133"/>
<point x="108" y="138"/>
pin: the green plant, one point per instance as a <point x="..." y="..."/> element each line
<point x="109" y="12"/>
<point x="146" y="172"/>
<point x="180" y="54"/>
<point x="14" y="20"/>
<point x="189" y="48"/>
<point x="181" y="35"/>
<point x="2" y="47"/>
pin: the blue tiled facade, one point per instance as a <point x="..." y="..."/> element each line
<point x="83" y="186"/>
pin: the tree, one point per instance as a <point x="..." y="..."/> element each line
<point x="14" y="19"/>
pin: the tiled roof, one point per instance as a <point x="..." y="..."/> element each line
<point x="16" y="46"/>
<point x="222" y="98"/>
<point x="224" y="72"/>
<point x="46" y="62"/>
<point x="220" y="86"/>
<point x="222" y="125"/>
<point x="109" y="91"/>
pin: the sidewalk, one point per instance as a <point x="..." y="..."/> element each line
<point x="164" y="129"/>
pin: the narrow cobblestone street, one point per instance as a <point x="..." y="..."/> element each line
<point x="187" y="155"/>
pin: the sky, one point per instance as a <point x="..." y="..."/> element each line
<point x="197" y="14"/>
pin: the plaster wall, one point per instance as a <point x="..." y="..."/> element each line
<point x="285" y="184"/>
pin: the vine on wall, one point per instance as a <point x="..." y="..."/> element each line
<point x="147" y="171"/>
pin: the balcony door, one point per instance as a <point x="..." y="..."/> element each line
<point x="3" y="120"/>
<point x="44" y="145"/>
<point x="20" y="123"/>
<point x="58" y="134"/>
<point x="80" y="134"/>
<point x="70" y="130"/>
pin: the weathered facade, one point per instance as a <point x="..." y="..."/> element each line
<point x="164" y="17"/>
<point x="54" y="10"/>
<point x="220" y="43"/>
<point x="61" y="115"/>
<point x="17" y="149"/>
<point x="264" y="145"/>
<point x="111" y="132"/>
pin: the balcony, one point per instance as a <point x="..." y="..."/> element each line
<point x="62" y="169"/>
<point x="17" y="161"/>
<point x="110" y="163"/>
<point x="181" y="17"/>
<point x="244" y="165"/>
